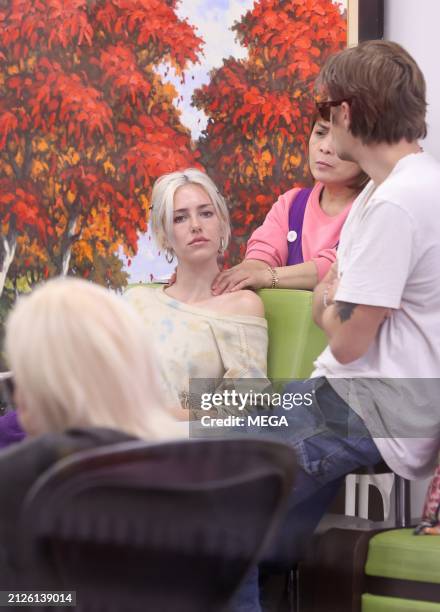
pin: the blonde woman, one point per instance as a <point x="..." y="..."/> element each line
<point x="84" y="377"/>
<point x="198" y="335"/>
<point x="81" y="357"/>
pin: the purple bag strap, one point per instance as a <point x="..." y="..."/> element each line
<point x="296" y="220"/>
<point x="10" y="429"/>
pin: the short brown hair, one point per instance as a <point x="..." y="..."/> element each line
<point x="386" y="88"/>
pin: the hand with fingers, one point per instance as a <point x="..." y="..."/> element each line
<point x="250" y="273"/>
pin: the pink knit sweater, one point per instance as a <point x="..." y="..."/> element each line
<point x="319" y="236"/>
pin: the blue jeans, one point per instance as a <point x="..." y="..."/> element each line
<point x="330" y="441"/>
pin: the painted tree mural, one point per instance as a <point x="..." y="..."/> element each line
<point x="86" y="126"/>
<point x="260" y="108"/>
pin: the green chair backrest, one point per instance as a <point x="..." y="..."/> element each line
<point x="294" y="339"/>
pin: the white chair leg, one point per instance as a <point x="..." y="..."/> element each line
<point x="350" y="494"/>
<point x="384" y="482"/>
<point x="364" y="484"/>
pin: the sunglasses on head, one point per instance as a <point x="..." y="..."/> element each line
<point x="324" y="108"/>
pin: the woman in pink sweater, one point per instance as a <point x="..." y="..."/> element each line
<point x="296" y="245"/>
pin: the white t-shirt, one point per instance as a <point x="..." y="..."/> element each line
<point x="389" y="255"/>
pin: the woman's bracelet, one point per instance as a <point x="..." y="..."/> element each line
<point x="275" y="277"/>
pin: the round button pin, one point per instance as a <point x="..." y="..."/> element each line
<point x="292" y="236"/>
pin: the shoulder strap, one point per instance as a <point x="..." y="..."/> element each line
<point x="296" y="220"/>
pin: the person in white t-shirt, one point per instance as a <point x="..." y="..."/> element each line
<point x="376" y="385"/>
<point x="380" y="306"/>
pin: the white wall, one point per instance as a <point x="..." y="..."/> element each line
<point x="414" y="25"/>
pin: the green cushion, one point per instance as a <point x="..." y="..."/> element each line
<point x="374" y="603"/>
<point x="294" y="339"/>
<point x="402" y="555"/>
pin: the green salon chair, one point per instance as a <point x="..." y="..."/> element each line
<point x="294" y="339"/>
<point x="402" y="573"/>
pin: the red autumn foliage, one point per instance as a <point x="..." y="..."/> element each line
<point x="86" y="124"/>
<point x="260" y="108"/>
<point x="22" y="208"/>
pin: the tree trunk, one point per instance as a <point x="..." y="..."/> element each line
<point x="65" y="261"/>
<point x="8" y="247"/>
<point x="66" y="250"/>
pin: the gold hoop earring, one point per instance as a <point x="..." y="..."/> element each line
<point x="222" y="246"/>
<point x="169" y="255"/>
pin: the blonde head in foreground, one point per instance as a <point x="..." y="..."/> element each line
<point x="81" y="357"/>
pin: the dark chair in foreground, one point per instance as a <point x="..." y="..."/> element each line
<point x="168" y="527"/>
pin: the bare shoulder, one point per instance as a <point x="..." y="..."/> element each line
<point x="245" y="302"/>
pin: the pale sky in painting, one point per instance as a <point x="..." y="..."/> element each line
<point x="213" y="20"/>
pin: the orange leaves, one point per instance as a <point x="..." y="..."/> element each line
<point x="303" y="42"/>
<point x="270" y="18"/>
<point x="287" y="32"/>
<point x="120" y="69"/>
<point x="252" y="97"/>
<point x="153" y="26"/>
<point x="61" y="98"/>
<point x="320" y="10"/>
<point x="8" y="124"/>
<point x="23" y="205"/>
<point x="158" y="152"/>
<point x="15" y="83"/>
<point x="94" y="198"/>
<point x="44" y="24"/>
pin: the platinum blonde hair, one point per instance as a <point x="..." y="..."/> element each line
<point x="162" y="201"/>
<point x="81" y="357"/>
